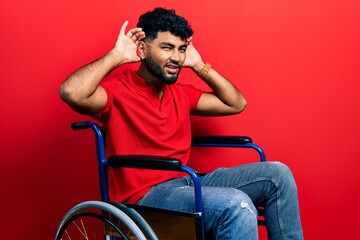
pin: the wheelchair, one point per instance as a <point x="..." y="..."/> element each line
<point x="112" y="220"/>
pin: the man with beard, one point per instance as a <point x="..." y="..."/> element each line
<point x="145" y="112"/>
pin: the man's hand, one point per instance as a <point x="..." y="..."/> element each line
<point x="126" y="45"/>
<point x="193" y="59"/>
<point x="226" y="99"/>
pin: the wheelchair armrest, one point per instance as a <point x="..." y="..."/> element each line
<point x="221" y="140"/>
<point x="145" y="161"/>
<point x="228" y="142"/>
<point x="158" y="163"/>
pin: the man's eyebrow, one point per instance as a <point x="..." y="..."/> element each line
<point x="167" y="44"/>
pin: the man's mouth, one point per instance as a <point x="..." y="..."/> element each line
<point x="172" y="68"/>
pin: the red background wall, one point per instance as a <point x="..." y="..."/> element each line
<point x="296" y="61"/>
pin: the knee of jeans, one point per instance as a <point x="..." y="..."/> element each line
<point x="230" y="209"/>
<point x="284" y="175"/>
<point x="243" y="214"/>
<point x="240" y="204"/>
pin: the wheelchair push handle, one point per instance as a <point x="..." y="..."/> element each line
<point x="81" y="125"/>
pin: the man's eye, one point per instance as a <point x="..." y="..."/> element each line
<point x="166" y="48"/>
<point x="182" y="50"/>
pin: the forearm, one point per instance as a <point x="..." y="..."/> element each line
<point x="83" y="83"/>
<point x="225" y="91"/>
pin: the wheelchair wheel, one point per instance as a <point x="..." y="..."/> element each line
<point x="97" y="220"/>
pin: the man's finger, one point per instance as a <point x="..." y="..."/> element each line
<point x="133" y="32"/>
<point x="122" y="31"/>
<point x="189" y="41"/>
<point x="138" y="35"/>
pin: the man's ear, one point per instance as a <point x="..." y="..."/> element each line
<point x="142" y="50"/>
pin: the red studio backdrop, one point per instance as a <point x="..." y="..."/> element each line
<point x="297" y="62"/>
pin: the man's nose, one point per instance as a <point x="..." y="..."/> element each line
<point x="175" y="56"/>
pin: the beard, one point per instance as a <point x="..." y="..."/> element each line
<point x="156" y="70"/>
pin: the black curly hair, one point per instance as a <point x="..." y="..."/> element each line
<point x="164" y="20"/>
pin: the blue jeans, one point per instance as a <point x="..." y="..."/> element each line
<point x="229" y="199"/>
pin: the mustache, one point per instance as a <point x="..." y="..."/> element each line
<point x="172" y="64"/>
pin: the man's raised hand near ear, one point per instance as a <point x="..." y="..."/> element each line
<point x="126" y="45"/>
<point x="81" y="89"/>
<point x="225" y="99"/>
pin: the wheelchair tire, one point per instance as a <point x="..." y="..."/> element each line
<point x="97" y="220"/>
<point x="138" y="219"/>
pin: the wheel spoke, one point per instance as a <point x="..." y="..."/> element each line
<point x="93" y="219"/>
<point x="67" y="235"/>
<point x="83" y="233"/>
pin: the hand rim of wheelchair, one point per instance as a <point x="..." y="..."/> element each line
<point x="133" y="222"/>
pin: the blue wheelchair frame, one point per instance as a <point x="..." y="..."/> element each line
<point x="161" y="163"/>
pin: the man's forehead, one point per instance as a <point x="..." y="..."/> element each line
<point x="168" y="37"/>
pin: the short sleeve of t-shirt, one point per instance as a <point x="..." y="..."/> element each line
<point x="194" y="95"/>
<point x="109" y="86"/>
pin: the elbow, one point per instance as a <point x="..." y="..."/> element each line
<point x="64" y="92"/>
<point x="244" y="104"/>
<point x="67" y="94"/>
<point x="241" y="106"/>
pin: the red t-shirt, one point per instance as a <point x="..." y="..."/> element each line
<point x="136" y="121"/>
